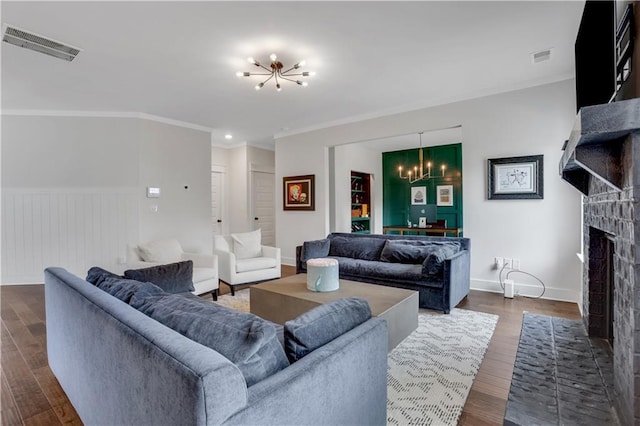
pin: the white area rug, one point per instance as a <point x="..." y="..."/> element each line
<point x="430" y="373"/>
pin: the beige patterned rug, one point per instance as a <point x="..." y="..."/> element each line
<point x="429" y="373"/>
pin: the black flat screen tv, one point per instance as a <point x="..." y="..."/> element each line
<point x="595" y="59"/>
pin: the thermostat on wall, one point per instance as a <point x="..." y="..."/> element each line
<point x="153" y="192"/>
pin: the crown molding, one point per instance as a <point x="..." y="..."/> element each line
<point x="428" y="104"/>
<point x="106" y="114"/>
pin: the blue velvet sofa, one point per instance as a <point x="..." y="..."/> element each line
<point x="436" y="267"/>
<point x="120" y="366"/>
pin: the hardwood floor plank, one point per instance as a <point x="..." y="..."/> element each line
<point x="32" y="349"/>
<point x="56" y="396"/>
<point x="46" y="418"/>
<point x="486" y="408"/>
<point x="9" y="409"/>
<point x="25" y="390"/>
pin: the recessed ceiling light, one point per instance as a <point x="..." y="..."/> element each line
<point x="228" y="136"/>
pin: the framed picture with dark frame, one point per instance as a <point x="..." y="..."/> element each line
<point x="298" y="192"/>
<point x="515" y="178"/>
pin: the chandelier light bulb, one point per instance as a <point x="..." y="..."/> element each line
<point x="277" y="72"/>
<point x="418" y="173"/>
<point x="228" y="136"/>
<point x="301" y="63"/>
<point x="305" y="84"/>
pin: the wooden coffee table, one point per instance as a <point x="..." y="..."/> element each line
<point x="282" y="300"/>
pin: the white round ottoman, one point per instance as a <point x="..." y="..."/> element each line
<point x="323" y="275"/>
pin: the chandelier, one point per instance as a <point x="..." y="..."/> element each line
<point x="418" y="171"/>
<point x="275" y="72"/>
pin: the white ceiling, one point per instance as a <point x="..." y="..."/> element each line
<point x="178" y="59"/>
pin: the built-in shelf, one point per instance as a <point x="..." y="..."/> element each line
<point x="359" y="219"/>
<point x="360" y="203"/>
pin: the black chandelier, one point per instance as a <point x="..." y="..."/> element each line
<point x="275" y="72"/>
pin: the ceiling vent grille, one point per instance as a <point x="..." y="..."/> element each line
<point x="541" y="56"/>
<point x="32" y="41"/>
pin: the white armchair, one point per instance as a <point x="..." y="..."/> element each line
<point x="243" y="262"/>
<point x="205" y="266"/>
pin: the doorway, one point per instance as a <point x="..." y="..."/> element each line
<point x="263" y="205"/>
<point x="217" y="202"/>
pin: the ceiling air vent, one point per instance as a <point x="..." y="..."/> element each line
<point x="38" y="43"/>
<point x="541" y="56"/>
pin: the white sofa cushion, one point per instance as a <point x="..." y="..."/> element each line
<point x="163" y="251"/>
<point x="248" y="244"/>
<point x="255" y="264"/>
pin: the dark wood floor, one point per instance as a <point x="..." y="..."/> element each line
<point x="31" y="395"/>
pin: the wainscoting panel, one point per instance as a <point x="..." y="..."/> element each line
<point x="73" y="228"/>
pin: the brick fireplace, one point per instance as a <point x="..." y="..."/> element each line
<point x="602" y="160"/>
<point x="611" y="277"/>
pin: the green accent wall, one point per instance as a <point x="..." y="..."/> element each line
<point x="396" y="192"/>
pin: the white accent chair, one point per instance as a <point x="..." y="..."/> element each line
<point x="242" y="266"/>
<point x="205" y="266"/>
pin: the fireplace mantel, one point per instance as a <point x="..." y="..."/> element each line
<point x="595" y="144"/>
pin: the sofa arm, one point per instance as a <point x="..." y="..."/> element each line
<point x="348" y="374"/>
<point x="201" y="260"/>
<point x="273" y="252"/>
<point x="457" y="276"/>
<point x="226" y="265"/>
<point x="300" y="267"/>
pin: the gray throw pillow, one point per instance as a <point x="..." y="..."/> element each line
<point x="398" y="251"/>
<point x="125" y="289"/>
<point x="172" y="278"/>
<point x="321" y="325"/>
<point x="315" y="249"/>
<point x="247" y="340"/>
<point x="434" y="263"/>
<point x="356" y="247"/>
<point x="97" y="274"/>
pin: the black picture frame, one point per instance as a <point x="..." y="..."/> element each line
<point x="515" y="178"/>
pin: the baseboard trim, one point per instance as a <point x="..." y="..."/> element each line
<point x="20" y="283"/>
<point x="289" y="261"/>
<point x="528" y="290"/>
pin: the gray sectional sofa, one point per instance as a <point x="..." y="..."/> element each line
<point x="121" y="365"/>
<point x="436" y="267"/>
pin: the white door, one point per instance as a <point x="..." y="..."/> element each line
<point x="217" y="197"/>
<point x="263" y="202"/>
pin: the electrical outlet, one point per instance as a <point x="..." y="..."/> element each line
<point x="499" y="262"/>
<point x="508" y="263"/>
<point x="516" y="263"/>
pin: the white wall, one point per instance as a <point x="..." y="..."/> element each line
<point x="173" y="158"/>
<point x="74" y="191"/>
<point x="544" y="234"/>
<point x="355" y="157"/>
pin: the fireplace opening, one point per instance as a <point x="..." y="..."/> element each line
<point x="601" y="284"/>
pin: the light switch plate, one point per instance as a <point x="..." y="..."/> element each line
<point x="153" y="192"/>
